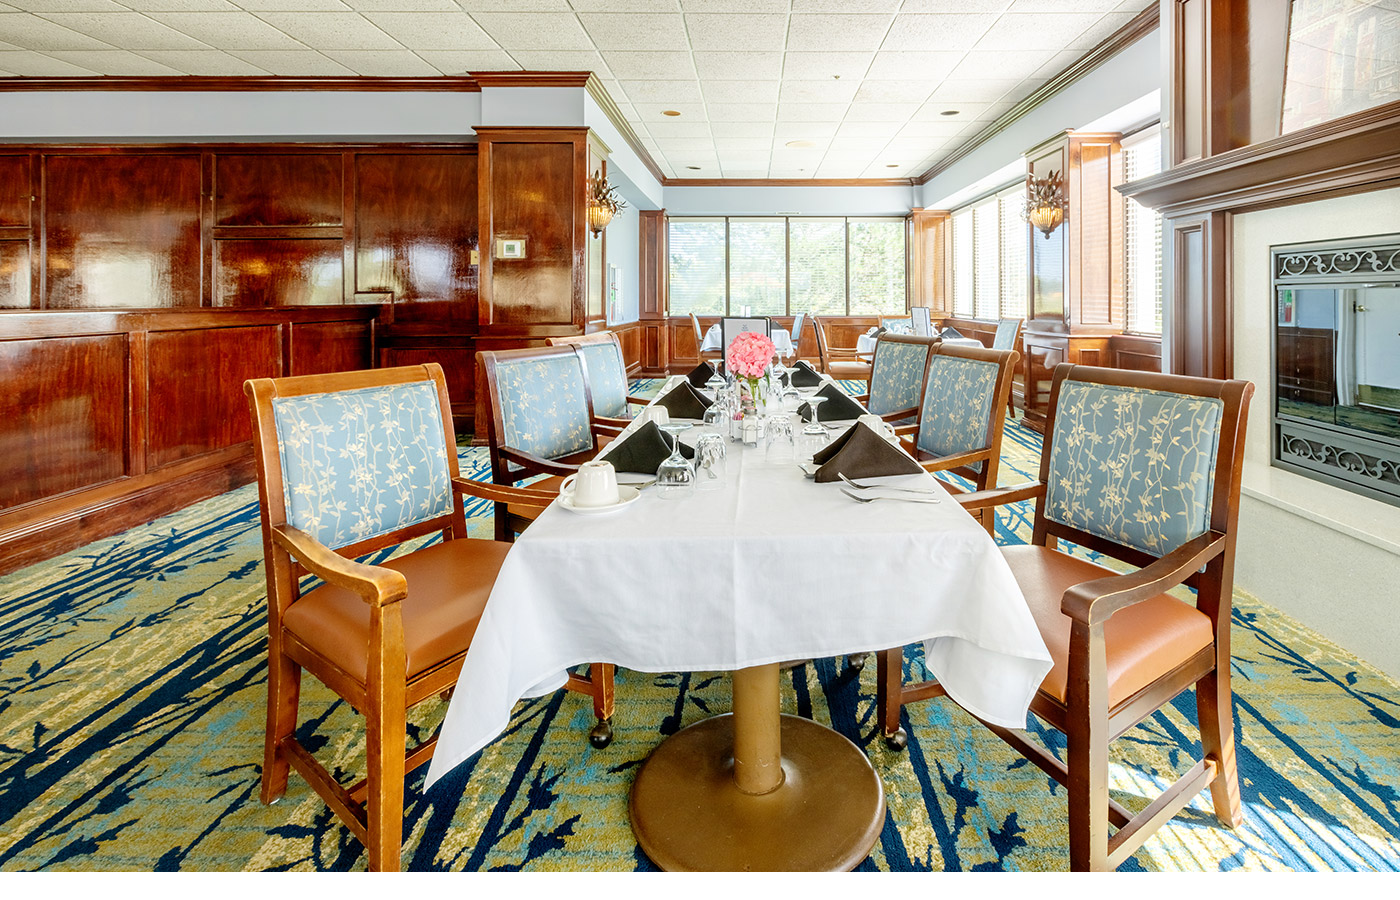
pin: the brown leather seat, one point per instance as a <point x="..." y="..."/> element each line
<point x="1141" y="642"/>
<point x="529" y="513"/>
<point x="448" y="584"/>
<point x="850" y="370"/>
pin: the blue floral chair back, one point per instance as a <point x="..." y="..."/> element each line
<point x="898" y="325"/>
<point x="1005" y="338"/>
<point x="607" y="377"/>
<point x="897" y="374"/>
<point x="956" y="415"/>
<point x="544" y="404"/>
<point x="359" y="464"/>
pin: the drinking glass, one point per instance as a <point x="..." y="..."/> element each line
<point x="815" y="426"/>
<point x="716" y="380"/>
<point x="675" y="479"/>
<point x="710" y="455"/>
<point x="717" y="415"/>
<point x="782" y="446"/>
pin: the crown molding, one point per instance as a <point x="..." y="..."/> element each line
<point x="788" y="182"/>
<point x="444" y="83"/>
<point x="1141" y="25"/>
<point x="605" y="102"/>
<point x="531" y="78"/>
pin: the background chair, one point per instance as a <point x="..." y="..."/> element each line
<point x="349" y="464"/>
<point x="1144" y="468"/>
<point x="541" y="422"/>
<point x="1008" y="336"/>
<point x="799" y="321"/>
<point x="922" y="319"/>
<point x="897" y="324"/>
<point x="711" y="355"/>
<point x="731" y="327"/>
<point x="607" y="375"/>
<point x="897" y="376"/>
<point x="840" y="363"/>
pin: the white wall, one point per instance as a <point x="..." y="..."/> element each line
<point x="895" y="200"/>
<point x="623" y="251"/>
<point x="1325" y="556"/>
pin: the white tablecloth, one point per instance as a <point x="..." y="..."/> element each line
<point x="773" y="567"/>
<point x="865" y="344"/>
<point x="782" y="340"/>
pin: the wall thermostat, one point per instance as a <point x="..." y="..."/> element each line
<point x="510" y="248"/>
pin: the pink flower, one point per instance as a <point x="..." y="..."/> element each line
<point x="749" y="354"/>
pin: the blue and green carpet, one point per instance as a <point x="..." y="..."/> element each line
<point x="132" y="700"/>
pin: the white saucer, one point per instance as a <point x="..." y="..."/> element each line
<point x="625" y="495"/>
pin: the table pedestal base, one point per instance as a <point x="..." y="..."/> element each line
<point x="690" y="815"/>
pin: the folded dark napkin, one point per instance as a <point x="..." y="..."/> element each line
<point x="803" y="375"/>
<point x="701" y="374"/>
<point x="685" y="402"/>
<point x="643" y="450"/>
<point x="838" y="406"/>
<point x="861" y="453"/>
<point x="950" y="332"/>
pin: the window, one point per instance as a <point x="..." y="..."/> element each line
<point x="989" y="257"/>
<point x="1142" y="237"/>
<point x="777" y="266"/>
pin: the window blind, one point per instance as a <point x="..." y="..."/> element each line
<point x="1014" y="235"/>
<point x="1142" y="238"/>
<point x="875" y="261"/>
<point x="964" y="268"/>
<point x="986" y="241"/>
<point x="696" y="258"/>
<point x="758" y="267"/>
<point x="817" y="266"/>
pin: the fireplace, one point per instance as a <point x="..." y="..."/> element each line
<point x="1337" y="363"/>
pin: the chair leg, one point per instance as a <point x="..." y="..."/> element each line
<point x="283" y="696"/>
<point x="385" y="748"/>
<point x="601" y="675"/>
<point x="1086" y="750"/>
<point x="1215" y="711"/>
<point x="502" y="519"/>
<point x="889" y="685"/>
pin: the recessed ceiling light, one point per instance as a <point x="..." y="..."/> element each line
<point x="800" y="144"/>
<point x="676" y="112"/>
<point x="693" y="168"/>
<point x="946" y="112"/>
<point x="891" y="165"/>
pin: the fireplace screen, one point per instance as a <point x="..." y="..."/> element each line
<point x="1337" y="363"/>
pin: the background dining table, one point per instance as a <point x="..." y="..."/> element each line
<point x="782" y="340"/>
<point x="771" y="567"/>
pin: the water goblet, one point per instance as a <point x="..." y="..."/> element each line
<point x="815" y="426"/>
<point x="716" y="415"/>
<point x="710" y="456"/>
<point x="675" y="479"/>
<point x="782" y="445"/>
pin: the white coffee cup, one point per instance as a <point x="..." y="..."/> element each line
<point x="594" y="484"/>
<point x="879" y="426"/>
<point x="658" y="414"/>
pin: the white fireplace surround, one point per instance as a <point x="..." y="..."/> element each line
<point x="1326" y="556"/>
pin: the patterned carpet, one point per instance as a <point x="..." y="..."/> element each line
<point x="131" y="726"/>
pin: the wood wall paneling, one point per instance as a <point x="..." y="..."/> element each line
<point x="15" y="191"/>
<point x="629" y="336"/>
<point x="122" y="229"/>
<point x="457" y="356"/>
<point x="63" y="415"/>
<point x="196" y="387"/>
<point x="15" y="280"/>
<point x="270" y="272"/>
<point x="318" y="348"/>
<point x="286" y="189"/>
<point x="652" y="267"/>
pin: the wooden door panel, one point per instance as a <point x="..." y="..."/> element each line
<point x="267" y="272"/>
<point x="63" y="415"/>
<point x="15" y="190"/>
<point x="122" y="230"/>
<point x="14" y="275"/>
<point x="278" y="189"/>
<point x="529" y="182"/>
<point x="415" y="228"/>
<point x="196" y="387"/>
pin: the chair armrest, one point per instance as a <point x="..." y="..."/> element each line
<point x="898" y="414"/>
<point x="1092" y="602"/>
<point x="376" y="585"/>
<point x="843" y="353"/>
<point x="537" y="464"/>
<point x="862" y="399"/>
<point x="906" y="430"/>
<point x="942" y="463"/>
<point x="609" y="425"/>
<point x="640" y="401"/>
<point x="504" y="493"/>
<point x="999" y="496"/>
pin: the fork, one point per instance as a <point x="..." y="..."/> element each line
<point x="860" y="499"/>
<point x="882" y="487"/>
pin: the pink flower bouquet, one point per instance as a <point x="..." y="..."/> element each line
<point x="749" y="355"/>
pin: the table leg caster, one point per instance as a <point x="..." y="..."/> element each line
<point x="601" y="735"/>
<point x="856" y="660"/>
<point x="897" y="740"/>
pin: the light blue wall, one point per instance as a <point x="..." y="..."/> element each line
<point x="623" y="250"/>
<point x="798" y="201"/>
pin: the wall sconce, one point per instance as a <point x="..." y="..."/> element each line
<point x="1045" y="202"/>
<point x="603" y="203"/>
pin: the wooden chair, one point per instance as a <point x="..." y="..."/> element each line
<point x="922" y="319"/>
<point x="840" y="363"/>
<point x="607" y="375"/>
<point x="710" y="355"/>
<point x="541" y="422"/>
<point x="382" y="637"/>
<point x="1157" y="487"/>
<point x="897" y="324"/>
<point x="799" y="322"/>
<point x="1008" y="336"/>
<point x="897" y="376"/>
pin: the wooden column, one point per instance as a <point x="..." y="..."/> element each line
<point x="652" y="269"/>
<point x="928" y="261"/>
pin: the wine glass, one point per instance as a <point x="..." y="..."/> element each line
<point x="710" y="455"/>
<point x="782" y="446"/>
<point x="717" y="414"/>
<point x="675" y="479"/>
<point x="716" y="380"/>
<point x="815" y="426"/>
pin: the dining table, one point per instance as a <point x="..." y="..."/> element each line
<point x="771" y="567"/>
<point x="781" y="337"/>
<point x="865" y="344"/>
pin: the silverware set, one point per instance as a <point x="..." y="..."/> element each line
<point x="909" y="495"/>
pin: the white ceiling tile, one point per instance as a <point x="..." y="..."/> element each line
<point x="855" y="144"/>
<point x="742" y="112"/>
<point x="743" y="157"/>
<point x="1045" y="31"/>
<point x="880" y="112"/>
<point x="179" y="6"/>
<point x="677" y="128"/>
<point x="113" y="62"/>
<point x="229" y="30"/>
<point x="804" y="131"/>
<point x="618" y="6"/>
<point x="934" y="111"/>
<point x="203" y="62"/>
<point x="743" y="143"/>
<point x="639" y="65"/>
<point x="810" y="66"/>
<point x="400" y="5"/>
<point x="383" y="63"/>
<point x="954" y="31"/>
<point x="563" y="61"/>
<point x="875" y="91"/>
<point x="781" y="172"/>
<point x="742" y="129"/>
<point x="293" y="6"/>
<point x="455" y="62"/>
<point x="1062" y="6"/>
<point x="332" y="31"/>
<point x="738" y="65"/>
<point x="472" y="6"/>
<point x="1000" y="64"/>
<point x="293" y="62"/>
<point x="812" y="112"/>
<point x="1133" y="6"/>
<point x="936" y="127"/>
<point x="130" y="31"/>
<point x="662" y="91"/>
<point x="737" y="32"/>
<point x="846" y="6"/>
<point x="745" y="173"/>
<point x="632" y="31"/>
<point x="928" y="65"/>
<point x="867" y="129"/>
<point x="955" y="6"/>
<point x="1100" y="31"/>
<point x="740" y="91"/>
<point x="977" y="90"/>
<point x="433" y="30"/>
<point x="34" y="33"/>
<point x="829" y="90"/>
<point x="1057" y="63"/>
<point x="534" y="31"/>
<point x="822" y="32"/>
<point x="655" y="112"/>
<point x="48" y="6"/>
<point x="36" y="65"/>
<point x="735" y="6"/>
